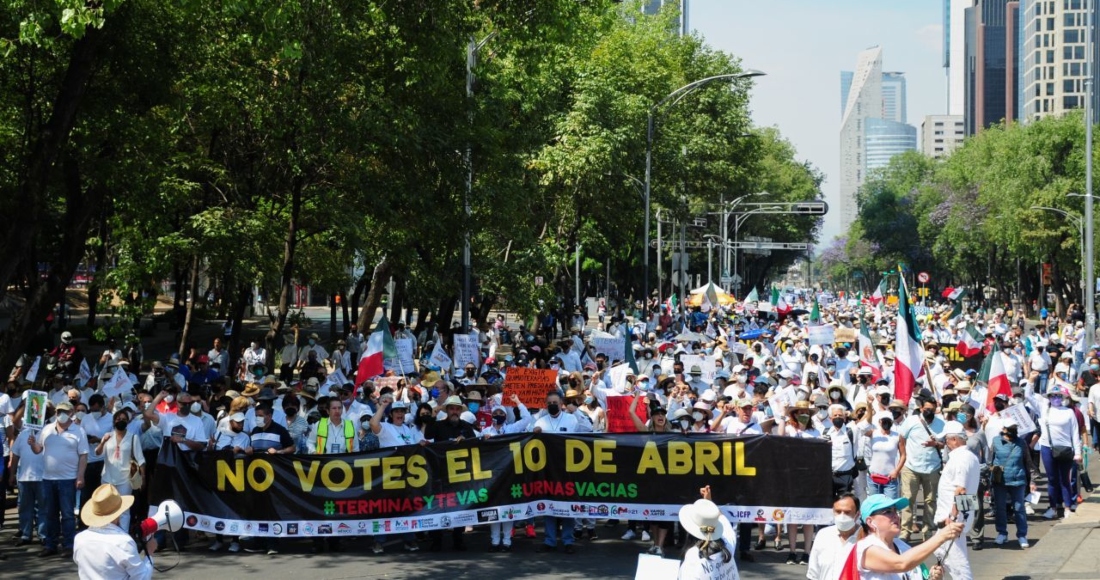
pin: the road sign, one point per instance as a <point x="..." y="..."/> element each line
<point x="726" y="280"/>
<point x="699" y="222"/>
<point x="923" y="277"/>
<point x="768" y="246"/>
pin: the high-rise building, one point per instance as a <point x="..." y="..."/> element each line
<point x="989" y="84"/>
<point x="893" y="97"/>
<point x="845" y="86"/>
<point x="941" y="134"/>
<point x="884" y="139"/>
<point x="864" y="102"/>
<point x="654" y="6"/>
<point x="954" y="55"/>
<point x="1052" y="55"/>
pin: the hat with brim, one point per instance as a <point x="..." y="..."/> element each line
<point x="105" y="506"/>
<point x="799" y="406"/>
<point x="878" y="502"/>
<point x="454" y="401"/>
<point x="251" y="390"/>
<point x="703" y="520"/>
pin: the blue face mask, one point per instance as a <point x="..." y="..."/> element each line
<point x="960" y="417"/>
<point x="1056" y="402"/>
<point x="1094" y="367"/>
<point x="473" y="406"/>
<point x="434" y="392"/>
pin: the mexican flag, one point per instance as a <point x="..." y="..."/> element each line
<point x="909" y="354"/>
<point x="380" y="346"/>
<point x="867" y="356"/>
<point x="670" y="304"/>
<point x="753" y="296"/>
<point x="778" y="303"/>
<point x="815" y="312"/>
<point x="880" y="292"/>
<point x="970" y="343"/>
<point x="954" y="293"/>
<point x="995" y="377"/>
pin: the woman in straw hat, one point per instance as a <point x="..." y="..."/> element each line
<point x="712" y="555"/>
<point x="105" y="550"/>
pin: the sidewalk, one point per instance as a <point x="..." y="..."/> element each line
<point x="1070" y="550"/>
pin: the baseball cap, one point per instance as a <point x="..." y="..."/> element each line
<point x="878" y="502"/>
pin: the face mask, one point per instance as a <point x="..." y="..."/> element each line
<point x="822" y="413"/>
<point x="648" y="356"/>
<point x="120" y="425"/>
<point x="844" y="522"/>
<point x="928" y="415"/>
<point x="742" y="377"/>
<point x="685" y="423"/>
<point x="803" y="419"/>
<point x="473" y="407"/>
<point x="835" y="395"/>
<point x="196" y="407"/>
<point x="1094" y="368"/>
<point x="499" y="419"/>
<point x="169" y="398"/>
<point x="960" y="417"/>
<point x="553" y="408"/>
<point x="698" y="416"/>
<point x="887" y="424"/>
<point x="63" y="418"/>
<point x="79" y="416"/>
<point x="838" y="422"/>
<point x="252" y="345"/>
<point x="1056" y="402"/>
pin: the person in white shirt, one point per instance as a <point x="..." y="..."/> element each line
<point x="1058" y="431"/>
<point x="556" y="421"/>
<point x="712" y="555"/>
<point x="1039" y="360"/>
<point x="27" y="468"/>
<point x="500" y="533"/>
<point x="313" y="345"/>
<point x="341" y="358"/>
<point x="106" y="550"/>
<point x="833" y="543"/>
<point x="960" y="477"/>
<point x="118" y="448"/>
<point x="396" y="432"/>
<point x="183" y="427"/>
<point x="882" y="454"/>
<point x="65" y="449"/>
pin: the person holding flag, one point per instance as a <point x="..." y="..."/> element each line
<point x="380" y="346"/>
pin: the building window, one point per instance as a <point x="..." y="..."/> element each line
<point x="1050" y="56"/>
<point x="1067" y="52"/>
<point x="1075" y="69"/>
<point x="1067" y="86"/>
<point x="1069" y="102"/>
<point x="1050" y="89"/>
<point x="1079" y="52"/>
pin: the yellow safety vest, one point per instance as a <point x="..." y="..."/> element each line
<point x="322" y="435"/>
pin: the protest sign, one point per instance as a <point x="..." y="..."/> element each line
<point x="390" y="382"/>
<point x="844" y="334"/>
<point x="34" y="412"/>
<point x="822" y="334"/>
<point x="1019" y="415"/>
<point x="32" y="373"/>
<point x="705" y="364"/>
<point x="618" y="414"/>
<point x="440" y="358"/>
<point x="403" y="363"/>
<point x="739" y="348"/>
<point x="467" y="351"/>
<point x="783" y="399"/>
<point x="119" y="384"/>
<point x="85" y="373"/>
<point x="614" y="347"/>
<point x="412" y="488"/>
<point x="616" y="377"/>
<point x="532" y="385"/>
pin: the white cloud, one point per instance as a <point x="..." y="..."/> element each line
<point x="931" y="37"/>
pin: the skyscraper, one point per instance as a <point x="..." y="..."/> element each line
<point x="989" y="87"/>
<point x="1052" y="56"/>
<point x="864" y="102"/>
<point x="654" y="6"/>
<point x="954" y="46"/>
<point x="893" y="97"/>
<point x="884" y="139"/>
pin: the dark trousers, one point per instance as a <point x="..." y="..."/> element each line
<point x="436" y="536"/>
<point x="93" y="477"/>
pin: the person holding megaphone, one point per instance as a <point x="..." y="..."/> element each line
<point x="105" y="550"/>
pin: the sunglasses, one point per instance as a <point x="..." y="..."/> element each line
<point x="890" y="511"/>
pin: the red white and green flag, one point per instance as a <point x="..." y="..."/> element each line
<point x="867" y="356"/>
<point x="994" y="375"/>
<point x="880" y="292"/>
<point x="778" y="303"/>
<point x="909" y="354"/>
<point x="380" y="346"/>
<point x="970" y="343"/>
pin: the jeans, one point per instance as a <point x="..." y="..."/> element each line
<point x="60" y="496"/>
<point x="1095" y="433"/>
<point x="500" y="533"/>
<point x="552" y="524"/>
<point x="1059" y="480"/>
<point x="582" y="523"/>
<point x="890" y="489"/>
<point x="1044" y="376"/>
<point x="1002" y="495"/>
<point x="32" y="507"/>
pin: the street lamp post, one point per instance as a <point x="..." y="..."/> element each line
<point x="675" y="97"/>
<point x="737" y="221"/>
<point x="1090" y="291"/>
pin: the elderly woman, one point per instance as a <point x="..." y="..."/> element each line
<point x="1010" y="460"/>
<point x="880" y="555"/>
<point x="1059" y="445"/>
<point x="711" y="557"/>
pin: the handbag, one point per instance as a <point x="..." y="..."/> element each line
<point x="136" y="481"/>
<point x="1058" y="452"/>
<point x="880" y="479"/>
<point x="997" y="475"/>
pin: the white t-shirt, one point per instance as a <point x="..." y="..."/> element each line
<point x="1094" y="399"/>
<point x="32" y="466"/>
<point x="394" y="436"/>
<point x="190" y="427"/>
<point x="865" y="574"/>
<point x="563" y="423"/>
<point x="96" y="427"/>
<point x="884" y="453"/>
<point x="117" y="457"/>
<point x="62" y="450"/>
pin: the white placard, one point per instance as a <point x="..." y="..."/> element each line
<point x="706" y="364"/>
<point x="440" y="358"/>
<point x="656" y="568"/>
<point x="119" y="383"/>
<point x="85" y="373"/>
<point x="617" y="375"/>
<point x="739" y="348"/>
<point x="1019" y="414"/>
<point x="822" y="334"/>
<point x="404" y="362"/>
<point x="613" y="347"/>
<point x="783" y="399"/>
<point x="467" y="349"/>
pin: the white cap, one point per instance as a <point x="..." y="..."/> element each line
<point x="237" y="417"/>
<point x="709" y="396"/>
<point x="952" y="428"/>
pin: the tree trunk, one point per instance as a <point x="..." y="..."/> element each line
<point x="445" y="313"/>
<point x="80" y="206"/>
<point x="356" y="296"/>
<point x="100" y="263"/>
<point x="379" y="279"/>
<point x="423" y="315"/>
<point x="290" y="246"/>
<point x="193" y="289"/>
<point x="344" y="307"/>
<point x="332" y="317"/>
<point x="47" y="146"/>
<point x="236" y="314"/>
<point x="397" y="301"/>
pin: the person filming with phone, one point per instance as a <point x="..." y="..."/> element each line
<point x="957" y="486"/>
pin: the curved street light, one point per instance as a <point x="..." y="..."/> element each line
<point x="1080" y="223"/>
<point x="675" y="97"/>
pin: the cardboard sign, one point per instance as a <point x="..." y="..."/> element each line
<point x="1019" y="414"/>
<point x="616" y="377"/>
<point x="531" y="385"/>
<point x="849" y="335"/>
<point x="440" y="358"/>
<point x="34" y="413"/>
<point x="32" y="373"/>
<point x="822" y="334"/>
<point x="467" y="351"/>
<point x="390" y="382"/>
<point x="613" y="347"/>
<point x="618" y="414"/>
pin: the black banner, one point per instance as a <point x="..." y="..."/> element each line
<point x="412" y="488"/>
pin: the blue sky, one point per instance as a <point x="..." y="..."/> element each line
<point x="803" y="45"/>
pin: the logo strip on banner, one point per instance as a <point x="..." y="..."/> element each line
<point x="412" y="488"/>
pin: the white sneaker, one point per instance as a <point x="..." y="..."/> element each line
<point x="1049" y="514"/>
<point x="1023" y="543"/>
<point x="1001" y="539"/>
<point x="658" y="551"/>
<point x="214" y="547"/>
<point x="1028" y="509"/>
<point x="629" y="535"/>
<point x="645" y="537"/>
<point x="234" y="547"/>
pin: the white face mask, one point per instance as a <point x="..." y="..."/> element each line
<point x="63" y="418"/>
<point x="698" y="416"/>
<point x="196" y="407"/>
<point x="844" y="522"/>
<point x="169" y="398"/>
